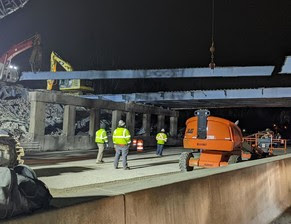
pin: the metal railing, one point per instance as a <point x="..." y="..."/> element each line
<point x="275" y="144"/>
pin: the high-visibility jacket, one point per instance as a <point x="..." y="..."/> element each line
<point x="121" y="136"/>
<point x="161" y="138"/>
<point x="101" y="136"/>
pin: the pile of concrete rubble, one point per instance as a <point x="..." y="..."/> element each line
<point x="15" y="112"/>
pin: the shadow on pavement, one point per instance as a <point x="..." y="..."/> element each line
<point x="153" y="164"/>
<point x="47" y="172"/>
<point x="152" y="157"/>
<point x="68" y="201"/>
<point x="284" y="218"/>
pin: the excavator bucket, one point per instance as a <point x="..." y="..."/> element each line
<point x="35" y="59"/>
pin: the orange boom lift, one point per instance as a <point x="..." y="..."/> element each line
<point x="219" y="141"/>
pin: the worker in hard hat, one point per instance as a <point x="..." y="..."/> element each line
<point x="268" y="133"/>
<point x="102" y="140"/>
<point x="121" y="139"/>
<point x="161" y="140"/>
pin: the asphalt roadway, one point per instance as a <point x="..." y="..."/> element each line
<point x="72" y="169"/>
<point x="62" y="171"/>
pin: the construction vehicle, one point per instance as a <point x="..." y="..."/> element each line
<point x="10" y="150"/>
<point x="219" y="142"/>
<point x="8" y="72"/>
<point x="67" y="84"/>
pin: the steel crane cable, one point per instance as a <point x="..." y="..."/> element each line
<point x="212" y="22"/>
<point x="212" y="48"/>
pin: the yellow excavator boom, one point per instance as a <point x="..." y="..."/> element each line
<point x="56" y="59"/>
<point x="67" y="85"/>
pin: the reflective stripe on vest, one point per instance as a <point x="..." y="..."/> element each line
<point x="123" y="134"/>
<point x="101" y="136"/>
<point x="160" y="137"/>
<point x="121" y="139"/>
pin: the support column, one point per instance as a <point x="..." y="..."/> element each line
<point x="161" y="122"/>
<point x="69" y="120"/>
<point x="37" y="119"/>
<point x="94" y="124"/>
<point x="173" y="126"/>
<point x="116" y="116"/>
<point x="130" y="122"/>
<point x="146" y="124"/>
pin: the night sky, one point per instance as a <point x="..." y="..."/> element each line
<point x="132" y="34"/>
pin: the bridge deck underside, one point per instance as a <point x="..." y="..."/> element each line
<point x="225" y="103"/>
<point x="260" y="97"/>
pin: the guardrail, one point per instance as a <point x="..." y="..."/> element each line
<point x="275" y="144"/>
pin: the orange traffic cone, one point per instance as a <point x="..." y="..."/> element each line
<point x="139" y="145"/>
<point x="134" y="141"/>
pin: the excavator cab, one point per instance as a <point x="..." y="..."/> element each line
<point x="76" y="84"/>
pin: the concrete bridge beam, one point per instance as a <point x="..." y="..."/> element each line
<point x="130" y="122"/>
<point x="37" y="118"/>
<point x="69" y="120"/>
<point x="116" y="116"/>
<point x="146" y="124"/>
<point x="94" y="122"/>
<point x="161" y="122"/>
<point x="173" y="126"/>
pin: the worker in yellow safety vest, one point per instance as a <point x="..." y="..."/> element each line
<point x="161" y="140"/>
<point x="102" y="140"/>
<point x="121" y="140"/>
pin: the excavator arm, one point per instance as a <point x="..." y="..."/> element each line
<point x="71" y="85"/>
<point x="55" y="60"/>
<point x="35" y="59"/>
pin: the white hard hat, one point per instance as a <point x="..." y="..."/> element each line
<point x="121" y="123"/>
<point x="163" y="130"/>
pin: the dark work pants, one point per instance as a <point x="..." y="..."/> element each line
<point x="160" y="149"/>
<point x="118" y="151"/>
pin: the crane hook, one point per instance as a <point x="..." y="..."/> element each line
<point x="212" y="50"/>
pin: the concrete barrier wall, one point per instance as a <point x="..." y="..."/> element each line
<point x="255" y="195"/>
<point x="246" y="193"/>
<point x="103" y="211"/>
<point x="55" y="143"/>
